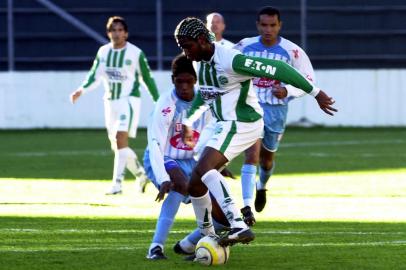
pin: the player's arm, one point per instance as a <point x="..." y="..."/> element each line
<point x="302" y="63"/>
<point x="279" y="70"/>
<point x="157" y="136"/>
<point x="147" y="77"/>
<point x="194" y="113"/>
<point x="92" y="80"/>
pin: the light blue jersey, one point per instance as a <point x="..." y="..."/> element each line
<point x="285" y="51"/>
<point x="164" y="133"/>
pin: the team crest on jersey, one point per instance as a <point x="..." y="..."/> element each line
<point x="222" y="80"/>
<point x="128" y="62"/>
<point x="123" y="117"/>
<point x="166" y="111"/>
<point x="295" y="53"/>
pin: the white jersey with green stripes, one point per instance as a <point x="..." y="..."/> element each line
<point x="229" y="94"/>
<point x="121" y="71"/>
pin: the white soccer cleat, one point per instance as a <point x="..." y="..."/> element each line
<point x="141" y="181"/>
<point x="114" y="190"/>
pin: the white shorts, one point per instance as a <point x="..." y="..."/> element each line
<point x="122" y="115"/>
<point x="231" y="138"/>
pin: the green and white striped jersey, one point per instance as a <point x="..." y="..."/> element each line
<point x="225" y="85"/>
<point x="121" y="71"/>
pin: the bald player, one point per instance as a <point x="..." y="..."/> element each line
<point x="215" y="23"/>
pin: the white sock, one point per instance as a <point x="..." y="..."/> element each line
<point x="218" y="187"/>
<point x="133" y="165"/>
<point x="202" y="207"/>
<point x="120" y="160"/>
<point x="186" y="245"/>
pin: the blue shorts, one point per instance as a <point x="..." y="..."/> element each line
<point x="186" y="165"/>
<point x="275" y="122"/>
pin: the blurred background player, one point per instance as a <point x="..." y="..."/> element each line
<point x="167" y="160"/>
<point x="121" y="66"/>
<point x="215" y="23"/>
<point x="273" y="97"/>
<point x="225" y="86"/>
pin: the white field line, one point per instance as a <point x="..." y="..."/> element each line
<point x="287" y="145"/>
<point x="282" y="232"/>
<point x="144" y="246"/>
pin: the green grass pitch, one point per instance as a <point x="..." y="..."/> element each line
<point x="337" y="201"/>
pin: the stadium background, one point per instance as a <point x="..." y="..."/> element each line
<point x="357" y="49"/>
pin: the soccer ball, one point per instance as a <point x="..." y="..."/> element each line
<point x="209" y="252"/>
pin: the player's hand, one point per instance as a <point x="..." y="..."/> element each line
<point x="325" y="103"/>
<point x="75" y="95"/>
<point x="163" y="189"/>
<point x="187" y="136"/>
<point x="280" y="92"/>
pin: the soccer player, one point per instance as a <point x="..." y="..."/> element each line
<point x="121" y="66"/>
<point x="273" y="97"/>
<point x="167" y="160"/>
<point x="215" y="23"/>
<point x="224" y="77"/>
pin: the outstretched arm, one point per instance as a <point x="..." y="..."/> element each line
<point x="279" y="70"/>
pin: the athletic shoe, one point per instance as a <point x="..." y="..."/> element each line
<point x="248" y="216"/>
<point x="114" y="190"/>
<point x="190" y="258"/>
<point x="260" y="200"/>
<point x="237" y="235"/>
<point x="179" y="250"/>
<point x="142" y="181"/>
<point x="156" y="254"/>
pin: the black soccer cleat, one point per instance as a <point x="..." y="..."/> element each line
<point x="179" y="250"/>
<point x="260" y="200"/>
<point x="248" y="216"/>
<point x="190" y="258"/>
<point x="237" y="235"/>
<point x="156" y="254"/>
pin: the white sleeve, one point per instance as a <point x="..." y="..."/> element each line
<point x="94" y="76"/>
<point x="302" y="63"/>
<point x="157" y="136"/>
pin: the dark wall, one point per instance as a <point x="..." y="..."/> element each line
<point x="341" y="33"/>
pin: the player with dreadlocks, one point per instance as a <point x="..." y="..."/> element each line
<point x="225" y="86"/>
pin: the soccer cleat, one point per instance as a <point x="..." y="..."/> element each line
<point x="260" y="200"/>
<point x="156" y="254"/>
<point x="248" y="216"/>
<point x="190" y="258"/>
<point x="179" y="250"/>
<point x="237" y="235"/>
<point x="114" y="190"/>
<point x="142" y="180"/>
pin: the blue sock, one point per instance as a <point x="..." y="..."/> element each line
<point x="264" y="176"/>
<point x="248" y="174"/>
<point x="169" y="209"/>
<point x="194" y="236"/>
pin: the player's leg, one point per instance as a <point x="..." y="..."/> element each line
<point x="187" y="245"/>
<point x="133" y="164"/>
<point x="169" y="206"/>
<point x="274" y="120"/>
<point x="230" y="139"/>
<point x="112" y="123"/>
<point x="248" y="175"/>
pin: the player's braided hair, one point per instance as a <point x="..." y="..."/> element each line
<point x="192" y="27"/>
